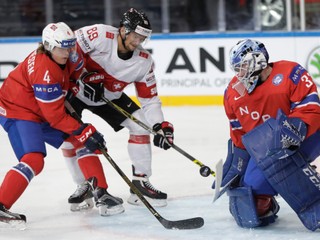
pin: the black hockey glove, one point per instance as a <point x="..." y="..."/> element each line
<point x="164" y="137"/>
<point x="91" y="86"/>
<point x="90" y="137"/>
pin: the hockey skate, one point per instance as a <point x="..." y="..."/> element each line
<point x="153" y="195"/>
<point x="107" y="204"/>
<point x="13" y="219"/>
<point x="82" y="198"/>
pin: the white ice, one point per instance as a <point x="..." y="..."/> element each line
<point x="200" y="131"/>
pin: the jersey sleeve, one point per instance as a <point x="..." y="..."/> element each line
<point x="304" y="98"/>
<point x="50" y="97"/>
<point x="147" y="86"/>
<point x="147" y="95"/>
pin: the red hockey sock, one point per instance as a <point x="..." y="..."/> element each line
<point x="12" y="187"/>
<point x="91" y="167"/>
<point x="18" y="178"/>
<point x="263" y="203"/>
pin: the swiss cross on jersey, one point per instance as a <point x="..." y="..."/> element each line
<point x="118" y="86"/>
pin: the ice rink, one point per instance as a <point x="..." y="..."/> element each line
<point x="200" y="131"/>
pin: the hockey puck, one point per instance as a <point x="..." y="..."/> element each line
<point x="205" y="171"/>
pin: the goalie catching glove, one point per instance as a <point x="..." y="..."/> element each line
<point x="91" y="85"/>
<point x="90" y="137"/>
<point x="164" y="137"/>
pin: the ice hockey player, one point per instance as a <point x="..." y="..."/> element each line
<point x="115" y="58"/>
<point x="32" y="112"/>
<point x="274" y="114"/>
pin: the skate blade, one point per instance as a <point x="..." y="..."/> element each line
<point x="134" y="200"/>
<point x="13" y="224"/>
<point x="104" y="210"/>
<point x="84" y="206"/>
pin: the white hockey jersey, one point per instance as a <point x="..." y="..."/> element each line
<point x="99" y="45"/>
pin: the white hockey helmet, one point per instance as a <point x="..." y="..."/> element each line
<point x="58" y="35"/>
<point x="247" y="59"/>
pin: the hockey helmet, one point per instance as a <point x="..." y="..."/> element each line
<point x="247" y="59"/>
<point x="135" y="21"/>
<point x="58" y="35"/>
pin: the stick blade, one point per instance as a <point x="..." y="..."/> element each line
<point x="191" y="223"/>
<point x="219" y="173"/>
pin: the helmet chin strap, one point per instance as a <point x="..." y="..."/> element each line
<point x="123" y="41"/>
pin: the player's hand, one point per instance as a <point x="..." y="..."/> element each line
<point x="91" y="85"/>
<point x="164" y="137"/>
<point x="90" y="137"/>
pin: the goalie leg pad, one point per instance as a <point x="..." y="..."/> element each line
<point x="242" y="207"/>
<point x="292" y="177"/>
<point x="310" y="148"/>
<point x="299" y="185"/>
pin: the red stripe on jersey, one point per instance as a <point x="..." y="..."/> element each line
<point x="144" y="91"/>
<point x="144" y="55"/>
<point x="109" y="35"/>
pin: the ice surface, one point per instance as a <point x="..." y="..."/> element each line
<point x="200" y="131"/>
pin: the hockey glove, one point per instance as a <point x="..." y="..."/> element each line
<point x="91" y="86"/>
<point x="164" y="137"/>
<point x="90" y="137"/>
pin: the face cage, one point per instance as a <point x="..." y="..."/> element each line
<point x="246" y="72"/>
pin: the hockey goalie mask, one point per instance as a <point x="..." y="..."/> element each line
<point x="247" y="59"/>
<point x="138" y="22"/>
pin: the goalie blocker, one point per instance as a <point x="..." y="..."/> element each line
<point x="290" y="175"/>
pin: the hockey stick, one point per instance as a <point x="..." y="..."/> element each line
<point x="191" y="223"/>
<point x="204" y="170"/>
<point x="220" y="191"/>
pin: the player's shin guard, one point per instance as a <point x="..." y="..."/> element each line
<point x="139" y="150"/>
<point x="71" y="159"/>
<point x="91" y="167"/>
<point x="18" y="178"/>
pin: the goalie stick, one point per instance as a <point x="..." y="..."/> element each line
<point x="218" y="180"/>
<point x="191" y="223"/>
<point x="218" y="191"/>
<point x="150" y="130"/>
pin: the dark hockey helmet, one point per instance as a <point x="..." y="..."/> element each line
<point x="135" y="21"/>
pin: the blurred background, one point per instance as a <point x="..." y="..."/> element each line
<point x="28" y="17"/>
<point x="197" y="36"/>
